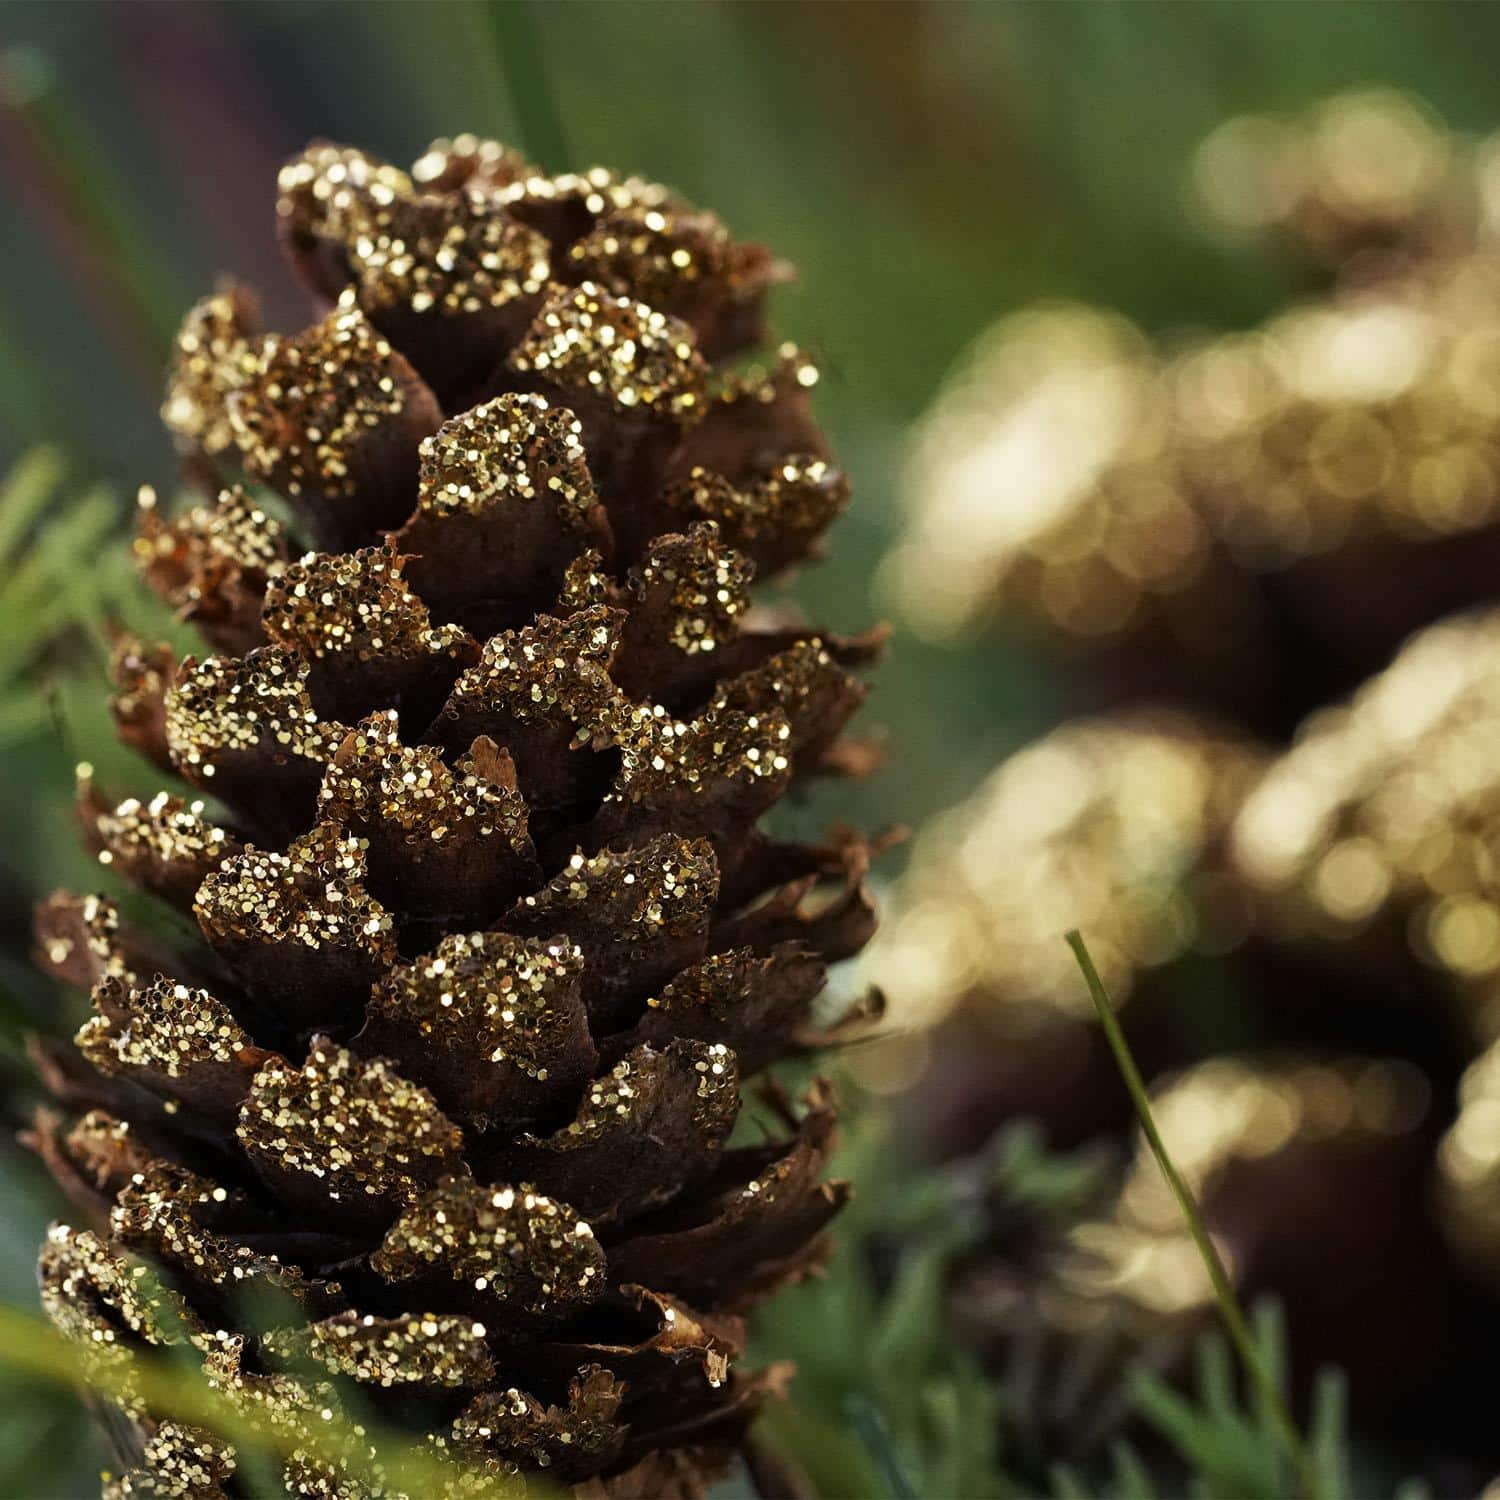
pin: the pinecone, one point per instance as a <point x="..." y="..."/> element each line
<point x="1295" y="528"/>
<point x="490" y="939"/>
<point x="1117" y="825"/>
<point x="1300" y="1163"/>
<point x="1366" y="177"/>
<point x="1254" y="522"/>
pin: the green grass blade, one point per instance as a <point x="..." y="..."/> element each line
<point x="1330" y="1408"/>
<point x="27" y="488"/>
<point x="1066" y="1485"/>
<point x="1131" y="1478"/>
<point x="522" y="58"/>
<point x="1229" y="1308"/>
<point x="869" y="1422"/>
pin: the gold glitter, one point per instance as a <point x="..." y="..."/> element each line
<point x="188" y="557"/>
<point x="87" y="1284"/>
<point x="163" y="1030"/>
<point x="353" y="1125"/>
<point x="749" y="1000"/>
<point x="552" y="672"/>
<point x="102" y="1301"/>
<point x="514" y="447"/>
<point x="140" y="673"/>
<point x="589" y="194"/>
<point x="1045" y="477"/>
<point x="1369" y="414"/>
<point x="633" y="356"/>
<point x="585" y="585"/>
<point x="674" y="1103"/>
<point x="81" y="936"/>
<point x="1384" y="813"/>
<point x="665" y="889"/>
<point x="170" y="1212"/>
<point x="614" y="1102"/>
<point x="1076" y="475"/>
<point x="453" y="250"/>
<point x="106" y="1151"/>
<point x="165" y="844"/>
<point x="1469" y="1168"/>
<point x="468" y="161"/>
<point x="665" y="761"/>
<point x="1117" y="826"/>
<point x="236" y="528"/>
<point x="177" y="1463"/>
<point x="521" y="1430"/>
<point x="432" y="1349"/>
<point x="538" y="651"/>
<point x="716" y="987"/>
<point x="698" y="587"/>
<point x="450" y="255"/>
<point x="244" y="703"/>
<point x="330" y="191"/>
<point x="319" y="393"/>
<point x="1366" y="168"/>
<point x="641" y="251"/>
<point x="355" y="605"/>
<point x="304" y="1411"/>
<point x="313" y="896"/>
<point x="793" y="504"/>
<point x="1219" y="1114"/>
<point x="216" y="354"/>
<point x="510" y="1000"/>
<point x="375" y="779"/>
<point x="794" y="370"/>
<point x="524" y="1251"/>
<point x="803" y="683"/>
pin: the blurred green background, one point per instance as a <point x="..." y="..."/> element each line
<point x="927" y="166"/>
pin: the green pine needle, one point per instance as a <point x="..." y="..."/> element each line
<point x="1310" y="1477"/>
<point x="523" y="61"/>
<point x="867" y="1421"/>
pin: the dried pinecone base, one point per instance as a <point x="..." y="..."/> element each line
<point x="433" y="1124"/>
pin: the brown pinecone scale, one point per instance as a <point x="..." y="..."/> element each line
<point x="429" y="1121"/>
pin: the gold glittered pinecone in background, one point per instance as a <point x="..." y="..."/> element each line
<point x="1116" y="825"/>
<point x="1313" y="1174"/>
<point x="1302" y="952"/>
<point x="1358" y="182"/>
<point x="1295" y="531"/>
<point x="1373" y="840"/>
<point x="1255" y="521"/>
<point x="488" y="939"/>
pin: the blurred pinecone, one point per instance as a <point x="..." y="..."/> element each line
<point x="1251" y="522"/>
<point x="1118" y="826"/>
<point x="439" y="1108"/>
<point x="1299" y="921"/>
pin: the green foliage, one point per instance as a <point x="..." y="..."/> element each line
<point x="890" y="1404"/>
<point x="887" y="1403"/>
<point x="1226" y="1447"/>
<point x="61" y="578"/>
<point x="48" y="1448"/>
<point x="66" y="583"/>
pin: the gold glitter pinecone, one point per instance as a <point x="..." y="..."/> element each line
<point x="433" y="1124"/>
<point x="1251" y="522"/>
